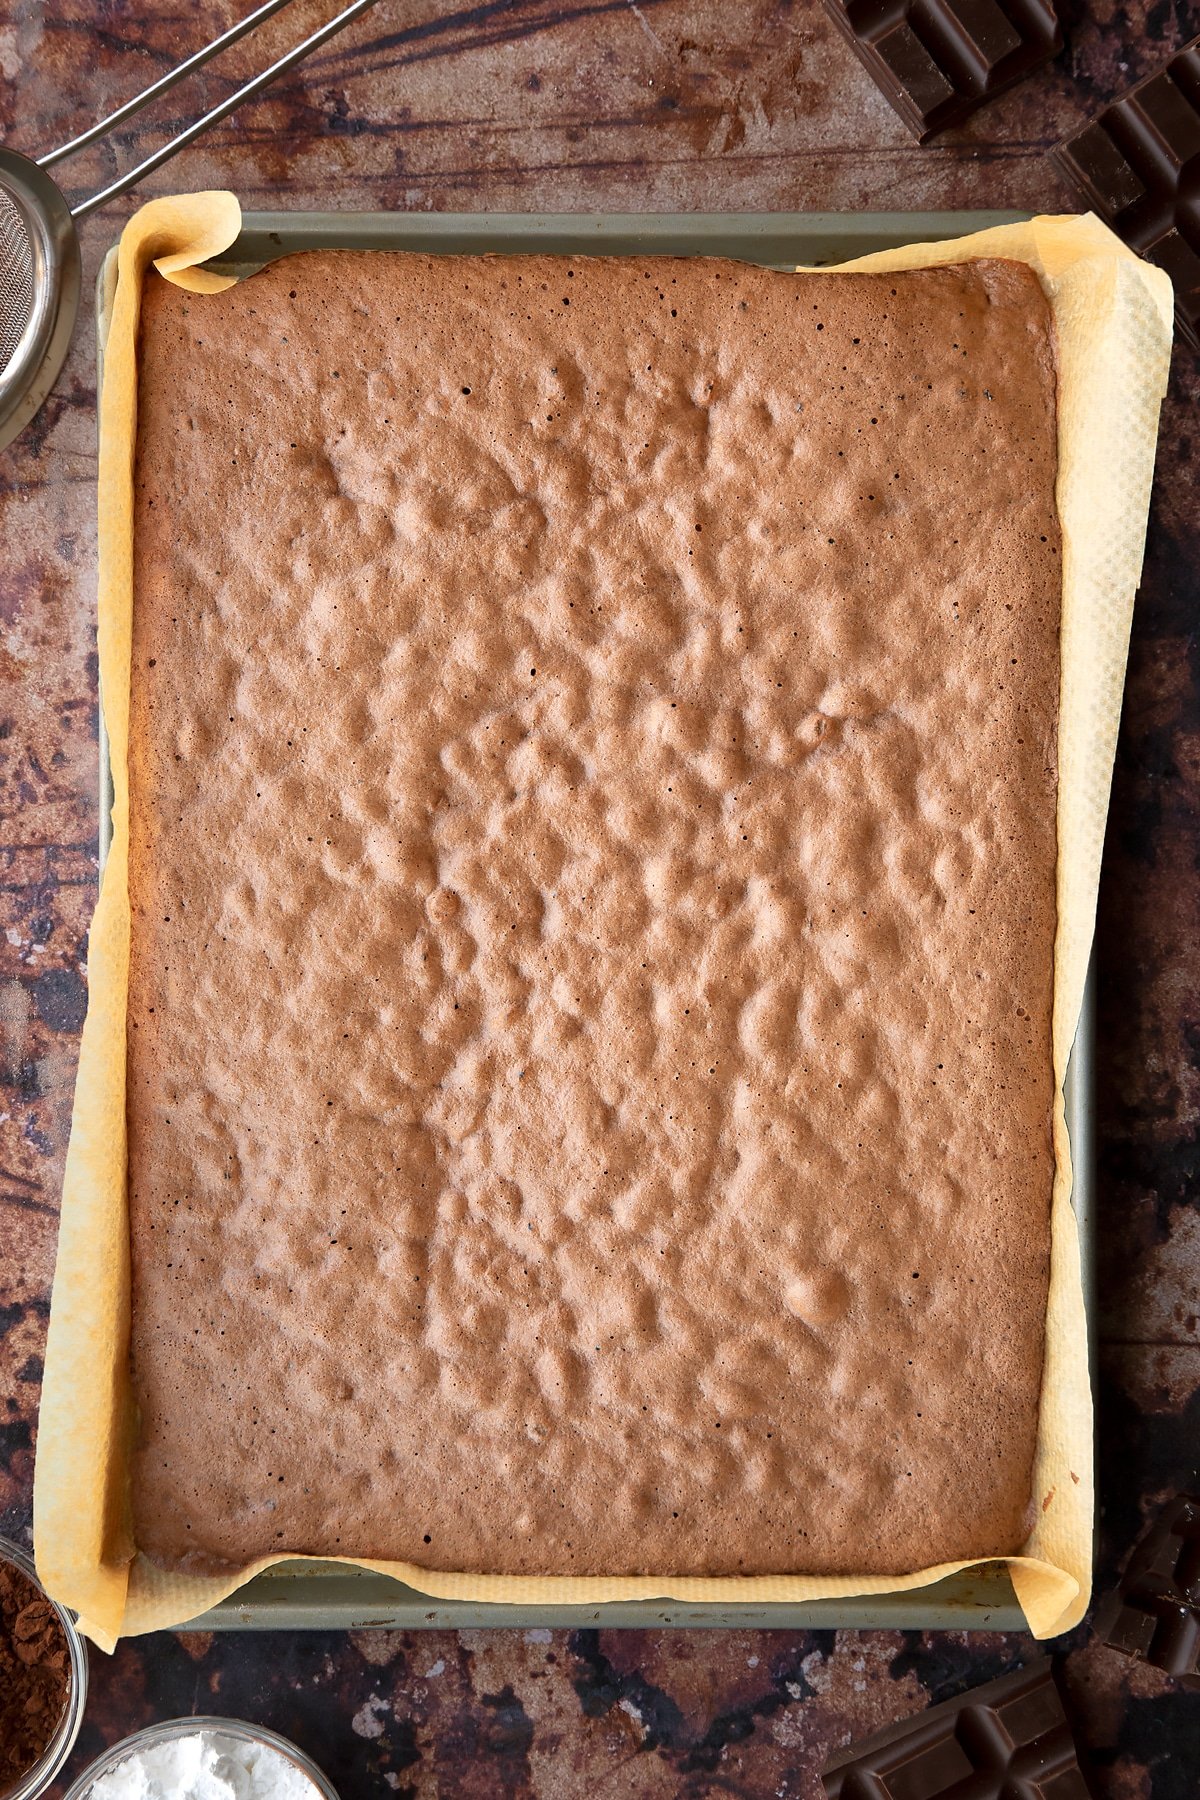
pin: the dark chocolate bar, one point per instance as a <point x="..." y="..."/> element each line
<point x="1155" y="1612"/>
<point x="1007" y="1738"/>
<point x="937" y="60"/>
<point x="1136" y="165"/>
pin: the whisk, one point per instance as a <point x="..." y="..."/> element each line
<point x="39" y="245"/>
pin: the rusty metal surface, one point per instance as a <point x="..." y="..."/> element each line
<point x="600" y="105"/>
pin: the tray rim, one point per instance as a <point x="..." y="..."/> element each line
<point x="305" y="1594"/>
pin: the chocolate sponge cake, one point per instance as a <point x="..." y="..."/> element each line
<point x="593" y="782"/>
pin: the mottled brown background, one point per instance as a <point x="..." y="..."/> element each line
<point x="603" y="105"/>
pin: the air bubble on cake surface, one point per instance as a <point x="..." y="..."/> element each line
<point x="819" y="1299"/>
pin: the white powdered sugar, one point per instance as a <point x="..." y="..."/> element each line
<point x="205" y="1765"/>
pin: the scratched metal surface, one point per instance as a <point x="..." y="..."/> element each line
<point x="603" y="105"/>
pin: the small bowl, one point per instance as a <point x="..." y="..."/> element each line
<point x="181" y="1728"/>
<point x="49" y="1765"/>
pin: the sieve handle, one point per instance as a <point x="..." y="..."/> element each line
<point x="103" y="126"/>
<point x="246" y="92"/>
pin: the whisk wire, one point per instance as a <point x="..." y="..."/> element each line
<point x="40" y="268"/>
<point x="164" y="83"/>
<point x="247" y="91"/>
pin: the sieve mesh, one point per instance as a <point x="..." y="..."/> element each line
<point x="16" y="278"/>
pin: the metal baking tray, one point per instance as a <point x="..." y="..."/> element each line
<point x="303" y="1595"/>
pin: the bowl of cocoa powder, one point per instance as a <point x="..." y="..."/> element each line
<point x="43" y="1680"/>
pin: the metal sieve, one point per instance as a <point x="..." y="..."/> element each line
<point x="39" y="245"/>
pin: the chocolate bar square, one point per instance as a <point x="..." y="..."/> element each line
<point x="937" y="60"/>
<point x="1008" y="1737"/>
<point x="1138" y="166"/>
<point x="1154" y="1614"/>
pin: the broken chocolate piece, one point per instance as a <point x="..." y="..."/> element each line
<point x="1136" y="165"/>
<point x="1009" y="1737"/>
<point x="937" y="60"/>
<point x="1154" y="1614"/>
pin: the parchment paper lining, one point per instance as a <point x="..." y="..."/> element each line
<point x="1113" y="316"/>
